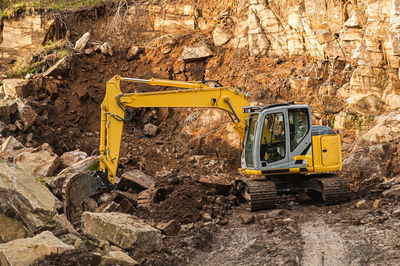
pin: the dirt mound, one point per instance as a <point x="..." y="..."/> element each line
<point x="70" y="258"/>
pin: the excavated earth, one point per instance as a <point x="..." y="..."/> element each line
<point x="216" y="229"/>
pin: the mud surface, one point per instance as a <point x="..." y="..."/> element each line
<point x="306" y="235"/>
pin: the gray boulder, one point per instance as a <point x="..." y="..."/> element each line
<point x="24" y="195"/>
<point x="124" y="230"/>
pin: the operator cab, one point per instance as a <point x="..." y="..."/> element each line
<point x="279" y="139"/>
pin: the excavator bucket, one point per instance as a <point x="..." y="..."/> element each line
<point x="79" y="187"/>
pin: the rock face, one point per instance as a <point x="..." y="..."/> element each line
<point x="386" y="128"/>
<point x="21" y="36"/>
<point x="362" y="35"/>
<point x="123" y="230"/>
<point x="26" y="251"/>
<point x="22" y="194"/>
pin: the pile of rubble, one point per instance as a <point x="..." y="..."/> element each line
<point x="108" y="230"/>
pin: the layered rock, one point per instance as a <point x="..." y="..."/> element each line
<point x="22" y="194"/>
<point x="22" y="36"/>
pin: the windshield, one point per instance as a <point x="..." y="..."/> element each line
<point x="249" y="143"/>
<point x="272" y="147"/>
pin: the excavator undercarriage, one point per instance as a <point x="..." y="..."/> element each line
<point x="263" y="193"/>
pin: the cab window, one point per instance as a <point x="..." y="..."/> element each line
<point x="298" y="125"/>
<point x="272" y="147"/>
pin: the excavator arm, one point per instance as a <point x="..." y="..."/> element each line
<point x="191" y="94"/>
<point x="114" y="112"/>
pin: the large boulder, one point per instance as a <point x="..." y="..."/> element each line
<point x="221" y="36"/>
<point x="17" y="88"/>
<point x="196" y="51"/>
<point x="123" y="230"/>
<point x="89" y="163"/>
<point x="135" y="180"/>
<point x="22" y="194"/>
<point x="26" y="251"/>
<point x="11" y="143"/>
<point x="41" y="161"/>
<point x="11" y="229"/>
<point x="59" y="68"/>
<point x="72" y="157"/>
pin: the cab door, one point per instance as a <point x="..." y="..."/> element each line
<point x="272" y="140"/>
<point x="299" y="118"/>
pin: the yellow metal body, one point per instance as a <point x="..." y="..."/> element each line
<point x="326" y="156"/>
<point x="326" y="153"/>
<point x="194" y="94"/>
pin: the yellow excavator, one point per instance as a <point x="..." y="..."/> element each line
<point x="282" y="150"/>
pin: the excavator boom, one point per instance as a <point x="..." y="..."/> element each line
<point x="195" y="94"/>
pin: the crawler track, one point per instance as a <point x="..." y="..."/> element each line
<point x="335" y="189"/>
<point x="258" y="194"/>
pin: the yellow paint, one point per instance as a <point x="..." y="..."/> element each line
<point x="244" y="171"/>
<point x="328" y="161"/>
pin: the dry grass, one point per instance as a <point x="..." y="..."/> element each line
<point x="13" y="8"/>
<point x="118" y="21"/>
